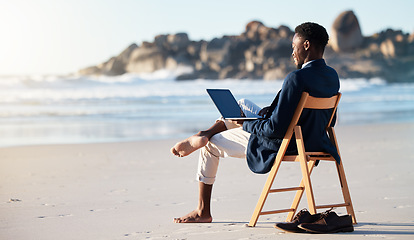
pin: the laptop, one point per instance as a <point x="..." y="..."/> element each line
<point x="227" y="105"/>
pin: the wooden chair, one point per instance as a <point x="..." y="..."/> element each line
<point x="307" y="161"/>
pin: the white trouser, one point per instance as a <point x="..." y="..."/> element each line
<point x="230" y="143"/>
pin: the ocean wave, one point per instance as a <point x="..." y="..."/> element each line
<point x="163" y="75"/>
<point x="127" y="86"/>
<point x="357" y="84"/>
<point x="32" y="90"/>
<point x="80" y="80"/>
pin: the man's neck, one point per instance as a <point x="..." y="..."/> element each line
<point x="313" y="55"/>
<point x="306" y="63"/>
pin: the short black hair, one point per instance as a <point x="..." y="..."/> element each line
<point x="314" y="33"/>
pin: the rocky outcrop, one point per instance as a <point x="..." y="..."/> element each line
<point x="345" y="33"/>
<point x="262" y="52"/>
<point x="114" y="66"/>
<point x="388" y="55"/>
<point x="146" y="58"/>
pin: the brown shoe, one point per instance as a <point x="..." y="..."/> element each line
<point x="302" y="217"/>
<point x="329" y="222"/>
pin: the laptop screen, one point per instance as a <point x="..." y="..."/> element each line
<point x="225" y="103"/>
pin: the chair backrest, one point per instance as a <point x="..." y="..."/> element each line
<point x="323" y="103"/>
<point x="307" y="101"/>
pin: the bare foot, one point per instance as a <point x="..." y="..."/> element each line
<point x="194" y="217"/>
<point x="189" y="145"/>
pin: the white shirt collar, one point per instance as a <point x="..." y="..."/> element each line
<point x="307" y="63"/>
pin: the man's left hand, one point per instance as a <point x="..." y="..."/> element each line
<point x="237" y="122"/>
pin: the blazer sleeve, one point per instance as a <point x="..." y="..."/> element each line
<point x="278" y="122"/>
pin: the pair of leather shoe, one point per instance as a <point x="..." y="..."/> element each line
<point x="327" y="222"/>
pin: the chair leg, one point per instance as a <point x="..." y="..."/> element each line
<point x="308" y="187"/>
<point x="265" y="192"/>
<point x="305" y="172"/>
<point x="345" y="191"/>
<point x="299" y="194"/>
<point x="342" y="178"/>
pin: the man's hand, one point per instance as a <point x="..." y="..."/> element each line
<point x="264" y="111"/>
<point x="237" y="122"/>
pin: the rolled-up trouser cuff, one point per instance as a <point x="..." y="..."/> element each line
<point x="206" y="180"/>
<point x="208" y="164"/>
<point x="230" y="143"/>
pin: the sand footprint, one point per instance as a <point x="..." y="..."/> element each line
<point x="403" y="206"/>
<point x="56" y="216"/>
<point x="136" y="234"/>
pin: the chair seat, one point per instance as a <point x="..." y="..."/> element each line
<point x="310" y="156"/>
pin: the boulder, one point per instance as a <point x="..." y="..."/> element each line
<point x="193" y="49"/>
<point x="274" y="74"/>
<point x="280" y="71"/>
<point x="198" y="75"/>
<point x="114" y="66"/>
<point x="393" y="48"/>
<point x="275" y="49"/>
<point x="266" y="33"/>
<point x="227" y="72"/>
<point x="178" y="42"/>
<point x="124" y="55"/>
<point x="250" y="65"/>
<point x="161" y="41"/>
<point x="285" y="32"/>
<point x="346" y="34"/>
<point x="256" y="32"/>
<point x="252" y="30"/>
<point x="388" y="49"/>
<point x="410" y="44"/>
<point x="238" y="45"/>
<point x="93" y="70"/>
<point x="172" y="42"/>
<point x="180" y="59"/>
<point x="146" y="59"/>
<point x="117" y="65"/>
<point x="216" y="52"/>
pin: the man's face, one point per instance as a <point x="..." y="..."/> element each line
<point x="298" y="50"/>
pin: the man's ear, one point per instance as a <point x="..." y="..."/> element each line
<point x="306" y="44"/>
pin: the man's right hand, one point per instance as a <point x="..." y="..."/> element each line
<point x="264" y="111"/>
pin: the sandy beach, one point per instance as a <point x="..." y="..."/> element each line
<point x="133" y="190"/>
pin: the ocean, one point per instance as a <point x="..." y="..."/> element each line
<point x="77" y="109"/>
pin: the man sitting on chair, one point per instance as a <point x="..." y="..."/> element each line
<point x="259" y="140"/>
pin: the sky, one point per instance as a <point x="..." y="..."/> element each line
<point x="40" y="37"/>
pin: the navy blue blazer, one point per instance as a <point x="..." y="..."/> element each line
<point x="319" y="80"/>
